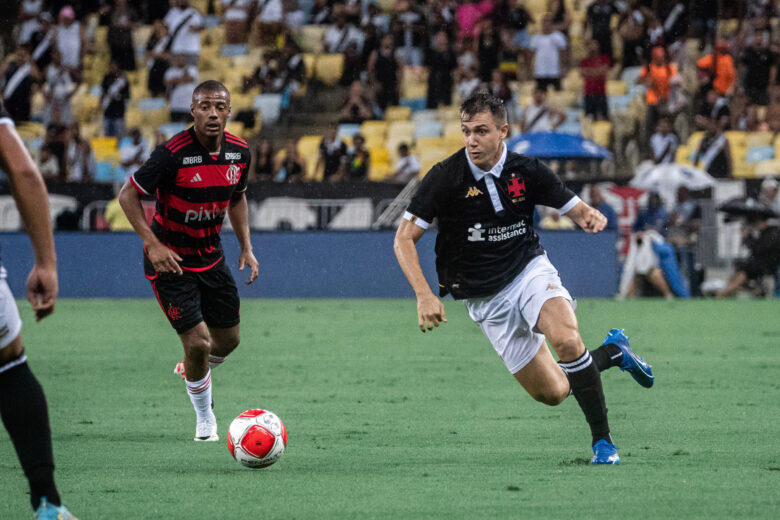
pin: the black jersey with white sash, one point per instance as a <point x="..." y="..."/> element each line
<point x="483" y="244"/>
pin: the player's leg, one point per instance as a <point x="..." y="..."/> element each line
<point x="221" y="312"/>
<point x="225" y="341"/>
<point x="197" y="345"/>
<point x="543" y="378"/>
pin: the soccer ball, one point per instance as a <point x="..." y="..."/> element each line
<point x="257" y="438"/>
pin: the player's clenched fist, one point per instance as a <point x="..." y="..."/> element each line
<point x="594" y="221"/>
<point x="430" y="312"/>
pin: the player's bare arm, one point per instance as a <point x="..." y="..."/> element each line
<point x="587" y="217"/>
<point x="239" y="219"/>
<point x="163" y="259"/>
<point x="430" y="310"/>
<point x="31" y="199"/>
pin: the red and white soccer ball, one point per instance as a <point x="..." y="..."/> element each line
<point x="257" y="438"/>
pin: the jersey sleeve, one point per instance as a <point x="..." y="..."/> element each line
<point x="427" y="202"/>
<point x="548" y="189"/>
<point x="244" y="179"/>
<point x="155" y="172"/>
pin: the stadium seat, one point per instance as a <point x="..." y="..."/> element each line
<point x="309" y="60"/>
<point x="452" y="130"/>
<point x="416" y="104"/>
<point x="428" y="129"/>
<point x="429" y="157"/>
<point x="766" y="168"/>
<point x="449" y="113"/>
<point x="104" y="172"/>
<point x="379" y="168"/>
<point x="347" y="130"/>
<point x="630" y="75"/>
<point x="328" y="68"/>
<point x="235" y="128"/>
<point x="616" y="88"/>
<point x="401" y="131"/>
<point x="683" y="155"/>
<point x="760" y="153"/>
<point x="601" y="132"/>
<point x="270" y="105"/>
<point x="375" y="130"/>
<point x="149" y="104"/>
<point x="618" y="104"/>
<point x="570" y="127"/>
<point x="694" y="140"/>
<point x="736" y="138"/>
<point x="234" y="49"/>
<point x="754" y="139"/>
<point x="309" y="149"/>
<point x="424" y="143"/>
<point x="397" y="113"/>
<point x="171" y="129"/>
<point x="311" y="38"/>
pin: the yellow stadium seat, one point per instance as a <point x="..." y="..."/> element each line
<point x="374" y="129"/>
<point x="30" y="130"/>
<point x="398" y="114"/>
<point x="401" y="131"/>
<point x="694" y="140"/>
<point x="311" y="38"/>
<point x="430" y="142"/>
<point x="601" y="132"/>
<point x="329" y="67"/>
<point x="104" y="143"/>
<point x="449" y="113"/>
<point x="309" y="149"/>
<point x="414" y="90"/>
<point x="753" y="139"/>
<point x="615" y="87"/>
<point x="380" y="163"/>
<point x="770" y="167"/>
<point x="452" y="130"/>
<point x="736" y="138"/>
<point x="742" y="169"/>
<point x="683" y="152"/>
<point x="235" y="128"/>
<point x="309" y="59"/>
<point x="429" y="157"/>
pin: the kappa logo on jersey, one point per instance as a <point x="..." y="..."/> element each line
<point x="192" y="160"/>
<point x="196" y="178"/>
<point x="473" y="192"/>
<point x="204" y="213"/>
<point x="476" y="233"/>
<point x="230" y="156"/>
<point x="233" y="174"/>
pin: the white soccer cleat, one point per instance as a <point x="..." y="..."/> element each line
<point x="179" y="370"/>
<point x="206" y="430"/>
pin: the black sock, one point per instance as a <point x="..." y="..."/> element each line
<point x="25" y="416"/>
<point x="585" y="381"/>
<point x="606" y="356"/>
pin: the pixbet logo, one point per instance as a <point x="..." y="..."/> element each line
<point x="204" y="214"/>
<point x="233" y="174"/>
<point x="476" y="233"/>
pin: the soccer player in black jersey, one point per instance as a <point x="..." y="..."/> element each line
<point x="22" y="401"/>
<point x="198" y="176"/>
<point x="488" y="254"/>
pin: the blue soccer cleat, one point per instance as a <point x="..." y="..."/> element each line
<point x="641" y="371"/>
<point x="47" y="511"/>
<point x="605" y="453"/>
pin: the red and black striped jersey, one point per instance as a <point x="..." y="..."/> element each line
<point x="193" y="191"/>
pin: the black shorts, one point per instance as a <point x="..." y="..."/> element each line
<point x="209" y="296"/>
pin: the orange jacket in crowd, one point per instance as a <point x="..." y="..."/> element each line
<point x="725" y="72"/>
<point x="660" y="84"/>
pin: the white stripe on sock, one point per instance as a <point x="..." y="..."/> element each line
<point x="578" y="364"/>
<point x="200" y="395"/>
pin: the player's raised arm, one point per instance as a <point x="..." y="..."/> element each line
<point x="430" y="310"/>
<point x="31" y="198"/>
<point x="588" y="218"/>
<point x="238" y="213"/>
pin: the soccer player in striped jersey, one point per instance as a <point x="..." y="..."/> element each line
<point x="22" y="401"/>
<point x="198" y="176"/>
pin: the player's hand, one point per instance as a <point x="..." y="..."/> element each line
<point x="248" y="258"/>
<point x="430" y="312"/>
<point x="42" y="288"/>
<point x="593" y="221"/>
<point x="164" y="259"/>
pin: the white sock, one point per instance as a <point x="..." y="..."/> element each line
<point x="200" y="395"/>
<point x="215" y="361"/>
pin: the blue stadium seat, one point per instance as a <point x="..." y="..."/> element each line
<point x="570" y="127"/>
<point x="414" y="103"/>
<point x="211" y="21"/>
<point x="171" y="129"/>
<point x="347" y="130"/>
<point x="104" y="172"/>
<point x="270" y="106"/>
<point x="760" y="153"/>
<point x="428" y="129"/>
<point x="234" y="49"/>
<point x="630" y="75"/>
<point x="151" y="104"/>
<point x="619" y="104"/>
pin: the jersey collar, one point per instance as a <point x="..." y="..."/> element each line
<point x="495" y="171"/>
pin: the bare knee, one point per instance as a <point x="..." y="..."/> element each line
<point x="197" y="345"/>
<point x="567" y="345"/>
<point x="551" y="396"/>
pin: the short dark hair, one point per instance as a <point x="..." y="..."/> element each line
<point x="210" y="85"/>
<point x="483" y="101"/>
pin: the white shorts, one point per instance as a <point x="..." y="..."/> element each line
<point x="10" y="322"/>
<point x="509" y="318"/>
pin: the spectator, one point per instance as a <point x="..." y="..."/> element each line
<point x="632" y="28"/>
<point x="376" y="18"/>
<point x="235" y="17"/>
<point x="184" y="26"/>
<point x="291" y="167"/>
<point x="261" y="166"/>
<point x="340" y="35"/>
<point x="55" y="141"/>
<point x="553" y="220"/>
<point x="333" y="155"/>
<point x="321" y="13"/>
<point x="354" y="66"/>
<point x="358" y="107"/>
<point x="499" y="87"/>
<point x="409" y="31"/>
<point x="157" y="59"/>
<point x="561" y="17"/>
<point x="664" y="142"/>
<point x="713" y="155"/>
<point x="61" y="85"/>
<point x="441" y="62"/>
<point x="270" y="21"/>
<point x="704" y="20"/>
<point x="48" y="163"/>
<point x="763" y="242"/>
<point x="359" y="160"/>
<point x="598" y="18"/>
<point x="116" y="94"/>
<point x="385" y="73"/>
<point x="488" y="49"/>
<point x="81" y="158"/>
<point x="769" y="195"/>
<point x="654" y="216"/>
<point x="716" y="108"/>
<point x="760" y="70"/>
<point x="132" y="153"/>
<point x="122" y="20"/>
<point x="517" y="19"/>
<point x="352" y="11"/>
<point x="468" y="14"/>
<point x="683" y="231"/>
<point x="70" y="38"/>
<point x="594" y="69"/>
<point x="27" y="19"/>
<point x="468" y="83"/>
<point x="42" y="41"/>
<point x="407" y="167"/>
<point x="114" y="215"/>
<point x="180" y="81"/>
<point x="674" y="14"/>
<point x="539" y="116"/>
<point x="548" y="48"/>
<point x="597" y="201"/>
<point x="658" y="76"/>
<point x="19" y="74"/>
<point x="717" y="71"/>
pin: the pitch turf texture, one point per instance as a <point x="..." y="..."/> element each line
<point x="386" y="422"/>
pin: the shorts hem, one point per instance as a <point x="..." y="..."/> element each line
<point x="517" y="367"/>
<point x="223" y="325"/>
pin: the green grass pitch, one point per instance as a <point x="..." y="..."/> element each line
<point x="386" y="422"/>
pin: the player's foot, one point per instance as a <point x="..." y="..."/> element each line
<point x="605" y="453"/>
<point x="206" y="430"/>
<point x="47" y="511"/>
<point x="179" y="370"/>
<point x="640" y="370"/>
